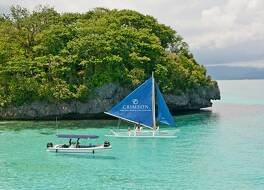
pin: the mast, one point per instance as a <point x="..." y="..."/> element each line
<point x="153" y="102"/>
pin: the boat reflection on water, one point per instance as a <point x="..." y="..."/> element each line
<point x="88" y="156"/>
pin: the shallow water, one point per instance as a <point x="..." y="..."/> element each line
<point x="219" y="148"/>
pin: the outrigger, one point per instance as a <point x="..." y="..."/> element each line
<point x="76" y="147"/>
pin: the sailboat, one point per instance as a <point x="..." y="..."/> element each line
<point x="139" y="108"/>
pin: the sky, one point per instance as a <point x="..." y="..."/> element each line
<point x="219" y="32"/>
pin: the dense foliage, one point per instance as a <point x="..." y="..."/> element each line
<point x="45" y="55"/>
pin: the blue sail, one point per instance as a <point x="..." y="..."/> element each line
<point x="164" y="115"/>
<point x="137" y="106"/>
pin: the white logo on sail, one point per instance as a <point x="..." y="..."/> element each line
<point x="135" y="106"/>
<point x="135" y="101"/>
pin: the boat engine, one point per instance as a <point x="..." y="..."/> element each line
<point x="49" y="145"/>
<point x="106" y="144"/>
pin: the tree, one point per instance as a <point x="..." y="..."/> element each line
<point x="45" y="55"/>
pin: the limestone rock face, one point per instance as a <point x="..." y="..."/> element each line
<point x="194" y="99"/>
<point x="102" y="100"/>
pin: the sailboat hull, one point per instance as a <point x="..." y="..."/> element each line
<point x="59" y="149"/>
<point x="143" y="134"/>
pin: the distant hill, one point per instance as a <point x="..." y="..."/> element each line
<point x="228" y="72"/>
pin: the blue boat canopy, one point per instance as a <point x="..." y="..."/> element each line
<point x="71" y="136"/>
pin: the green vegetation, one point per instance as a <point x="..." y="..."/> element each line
<point x="45" y="55"/>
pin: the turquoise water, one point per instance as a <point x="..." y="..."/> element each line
<point x="218" y="148"/>
<point x="246" y="92"/>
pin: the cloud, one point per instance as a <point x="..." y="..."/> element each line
<point x="235" y="22"/>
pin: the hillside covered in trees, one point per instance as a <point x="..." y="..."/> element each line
<point x="59" y="57"/>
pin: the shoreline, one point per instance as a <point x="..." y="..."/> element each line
<point x="101" y="116"/>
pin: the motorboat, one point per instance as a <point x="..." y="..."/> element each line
<point x="77" y="147"/>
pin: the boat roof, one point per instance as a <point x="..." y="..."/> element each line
<point x="72" y="136"/>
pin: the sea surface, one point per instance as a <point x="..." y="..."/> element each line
<point x="220" y="148"/>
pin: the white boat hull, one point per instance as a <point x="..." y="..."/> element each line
<point x="143" y="134"/>
<point x="59" y="149"/>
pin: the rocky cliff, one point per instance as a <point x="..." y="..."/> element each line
<point x="103" y="99"/>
